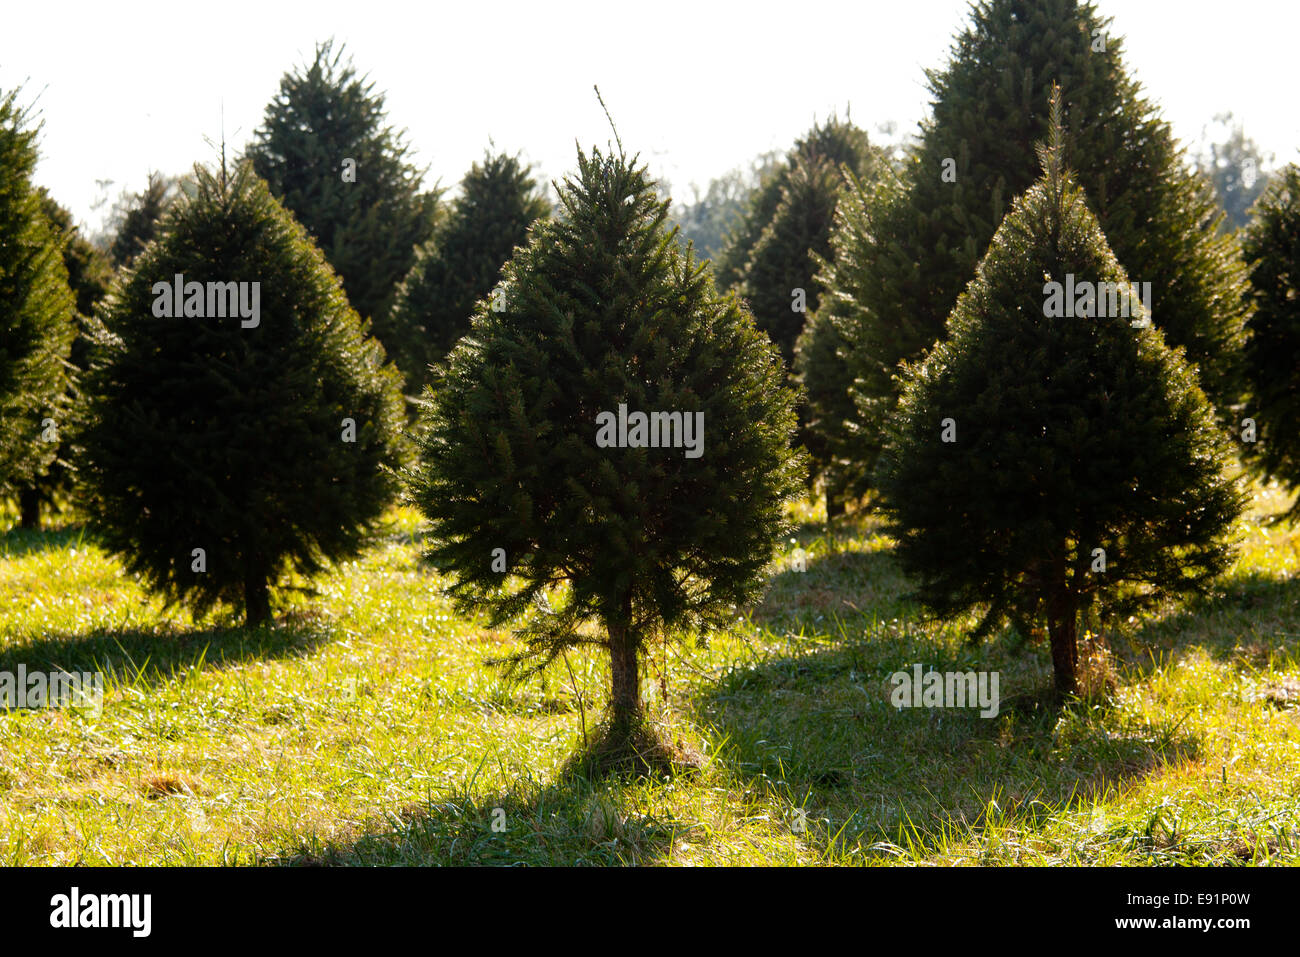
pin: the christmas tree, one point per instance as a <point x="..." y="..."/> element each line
<point x="1272" y="246"/>
<point x="137" y="217"/>
<point x="848" y="395"/>
<point x="1044" y="461"/>
<point x="461" y="264"/>
<point x="780" y="280"/>
<point x="90" y="273"/>
<point x="836" y="143"/>
<point x="977" y="152"/>
<point x="36" y="313"/>
<point x="241" y="423"/>
<point x="330" y="158"/>
<point x="607" y="457"/>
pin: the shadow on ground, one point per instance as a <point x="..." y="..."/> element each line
<point x="574" y="821"/>
<point x="151" y="656"/>
<point x="1252" y="621"/>
<point x="19" y="542"/>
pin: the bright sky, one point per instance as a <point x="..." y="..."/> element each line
<point x="696" y="87"/>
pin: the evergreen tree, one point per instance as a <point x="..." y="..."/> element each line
<point x="1026" y="442"/>
<point x="36" y="312"/>
<point x="461" y="264"/>
<point x="264" y="435"/>
<point x="89" y="274"/>
<point x="828" y="407"/>
<point x="137" y="216"/>
<point x="1272" y="246"/>
<point x="836" y="142"/>
<point x="977" y="152"/>
<point x="783" y="239"/>
<point x="331" y="159"/>
<point x="780" y="279"/>
<point x="848" y="395"/>
<point x="605" y="314"/>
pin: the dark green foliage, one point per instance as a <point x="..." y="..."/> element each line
<point x="461" y="264"/>
<point x="603" y="307"/>
<point x="828" y="407"/>
<point x="1272" y="246"/>
<point x="780" y="280"/>
<point x="849" y="387"/>
<point x="989" y="110"/>
<point x="773" y="257"/>
<point x="1071" y="434"/>
<point x="137" y="218"/>
<point x="36" y="312"/>
<point x="90" y="274"/>
<point x="205" y="434"/>
<point x="836" y="142"/>
<point x="368" y="229"/>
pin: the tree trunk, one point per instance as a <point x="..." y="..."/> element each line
<point x="834" y="507"/>
<point x="29" y="508"/>
<point x="1063" y="628"/>
<point x="257" y="600"/>
<point x="625" y="693"/>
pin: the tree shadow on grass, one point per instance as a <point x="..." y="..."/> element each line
<point x="1252" y="620"/>
<point x="819" y="730"/>
<point x="867" y="583"/>
<point x="19" y="542"/>
<point x="573" y="821"/>
<point x="151" y="656"/>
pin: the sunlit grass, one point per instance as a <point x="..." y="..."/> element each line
<point x="364" y="727"/>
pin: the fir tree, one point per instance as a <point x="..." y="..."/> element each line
<point x="780" y="279"/>
<point x="331" y="159"/>
<point x="977" y="152"/>
<point x="267" y="439"/>
<point x="606" y="315"/>
<point x="838" y="143"/>
<point x="89" y="274"/>
<point x="828" y="407"/>
<point x="36" y="312"/>
<point x="1272" y="246"/>
<point x="461" y="264"/>
<point x="1042" y="466"/>
<point x="137" y="217"/>
<point x="848" y="394"/>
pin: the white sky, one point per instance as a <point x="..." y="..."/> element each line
<point x="696" y="87"/>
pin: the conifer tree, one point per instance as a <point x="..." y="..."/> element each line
<point x="330" y="158"/>
<point x="461" y="264"/>
<point x="137" y="217"/>
<point x="977" y="152"/>
<point x="243" y="425"/>
<point x="1272" y="247"/>
<point x="619" y="429"/>
<point x="36" y="312"/>
<point x="1038" y="466"/>
<point x="848" y="395"/>
<point x="89" y="274"/>
<point x="780" y="279"/>
<point x="838" y="143"/>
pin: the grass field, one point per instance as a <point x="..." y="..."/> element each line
<point x="364" y="727"/>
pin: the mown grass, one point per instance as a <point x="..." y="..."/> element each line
<point x="363" y="727"/>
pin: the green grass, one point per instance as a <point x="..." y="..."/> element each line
<point x="364" y="727"/>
